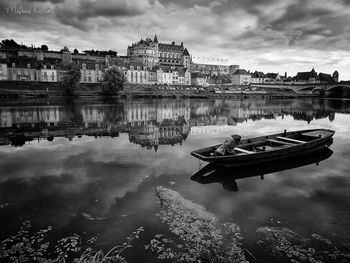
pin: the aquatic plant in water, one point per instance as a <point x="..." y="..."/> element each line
<point x="29" y="246"/>
<point x="197" y="236"/>
<point x="284" y="243"/>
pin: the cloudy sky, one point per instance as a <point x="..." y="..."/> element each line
<point x="267" y="35"/>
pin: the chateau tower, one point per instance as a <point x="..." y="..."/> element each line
<point x="336" y="76"/>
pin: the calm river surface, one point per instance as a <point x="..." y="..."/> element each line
<point x="90" y="167"/>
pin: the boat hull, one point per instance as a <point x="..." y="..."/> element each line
<point x="268" y="156"/>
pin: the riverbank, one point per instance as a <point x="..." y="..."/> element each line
<point x="20" y="89"/>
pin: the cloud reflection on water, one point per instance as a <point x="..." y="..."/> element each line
<point x="54" y="182"/>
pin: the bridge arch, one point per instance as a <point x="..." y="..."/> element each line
<point x="338" y="91"/>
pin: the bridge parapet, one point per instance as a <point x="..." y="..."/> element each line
<point x="302" y="88"/>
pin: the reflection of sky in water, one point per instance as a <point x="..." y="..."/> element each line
<point x="54" y="182"/>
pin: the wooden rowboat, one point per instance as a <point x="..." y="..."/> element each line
<point x="270" y="148"/>
<point x="227" y="175"/>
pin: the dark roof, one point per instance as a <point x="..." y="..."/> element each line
<point x="155" y="39"/>
<point x="186" y="52"/>
<point x="258" y="74"/>
<point x="171" y="46"/>
<point x="241" y="72"/>
<point x="165" y="68"/>
<point x="323" y="77"/>
<point x="271" y="75"/>
<point x="306" y="75"/>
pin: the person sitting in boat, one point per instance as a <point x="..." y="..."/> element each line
<point x="228" y="147"/>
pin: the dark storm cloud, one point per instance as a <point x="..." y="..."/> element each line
<point x="76" y="15"/>
<point x="46" y="1"/>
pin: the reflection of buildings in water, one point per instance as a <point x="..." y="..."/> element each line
<point x="20" y="124"/>
<point x="149" y="123"/>
<point x="92" y="116"/>
<point x="146" y="135"/>
<point x="22" y="117"/>
<point x="159" y="123"/>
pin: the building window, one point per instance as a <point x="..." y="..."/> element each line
<point x="89" y="78"/>
<point x="138" y="69"/>
<point x="83" y="66"/>
<point x="131" y="67"/>
<point x="144" y="69"/>
<point x="45" y="67"/>
<point x="85" y="78"/>
<point x="97" y="67"/>
<point x="13" y="65"/>
<point x="52" y="67"/>
<point x="53" y="76"/>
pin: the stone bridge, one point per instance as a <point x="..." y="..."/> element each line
<point x="339" y="89"/>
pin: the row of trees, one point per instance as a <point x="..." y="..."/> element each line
<point x="11" y="44"/>
<point x="113" y="79"/>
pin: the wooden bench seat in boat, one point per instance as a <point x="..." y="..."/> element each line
<point x="290" y="140"/>
<point x="243" y="150"/>
<point x="280" y="142"/>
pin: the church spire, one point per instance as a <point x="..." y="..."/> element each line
<point x="155" y="39"/>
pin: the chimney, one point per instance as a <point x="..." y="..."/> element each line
<point x="182" y="44"/>
<point x="285" y="74"/>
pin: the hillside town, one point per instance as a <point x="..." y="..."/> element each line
<point x="147" y="62"/>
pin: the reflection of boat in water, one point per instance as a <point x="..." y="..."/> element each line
<point x="274" y="147"/>
<point x="227" y="176"/>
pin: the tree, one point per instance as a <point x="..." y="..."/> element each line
<point x="65" y="49"/>
<point x="113" y="80"/>
<point x="44" y="47"/>
<point x="9" y="43"/>
<point x="71" y="78"/>
<point x="76" y="51"/>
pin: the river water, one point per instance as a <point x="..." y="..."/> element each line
<point x="90" y="167"/>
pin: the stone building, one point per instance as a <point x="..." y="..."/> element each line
<point x="151" y="53"/>
<point x="214" y="70"/>
<point x="91" y="72"/>
<point x="313" y="77"/>
<point x="198" y="79"/>
<point x="136" y="72"/>
<point x="241" y="77"/>
<point x="273" y="78"/>
<point x="47" y="73"/>
<point x="306" y="77"/>
<point x="144" y="51"/>
<point x="22" y="69"/>
<point x="258" y="77"/>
